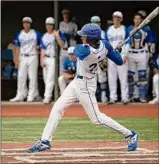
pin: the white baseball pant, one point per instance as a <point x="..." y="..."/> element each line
<point x="102" y="79"/>
<point x="49" y="76"/>
<point x="115" y="71"/>
<point x="83" y="90"/>
<point x="63" y="56"/>
<point x="156" y="84"/>
<point x="137" y="62"/>
<point x="28" y="65"/>
<point x="63" y="82"/>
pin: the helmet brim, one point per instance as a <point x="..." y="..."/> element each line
<point x="80" y="33"/>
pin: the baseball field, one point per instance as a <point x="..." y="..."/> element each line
<point x="77" y="140"/>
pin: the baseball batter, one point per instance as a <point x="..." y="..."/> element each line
<point x="83" y="87"/>
<point x="116" y="34"/>
<point x="69" y="70"/>
<point x="48" y="57"/>
<point x="26" y="43"/>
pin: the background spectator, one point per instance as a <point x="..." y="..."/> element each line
<point x="116" y="34"/>
<point x="69" y="29"/>
<point x="69" y="70"/>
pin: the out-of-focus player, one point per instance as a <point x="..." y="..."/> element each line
<point x="26" y="44"/>
<point x="69" y="70"/>
<point x="115" y="35"/>
<point x="102" y="69"/>
<point x="155" y="66"/>
<point x="69" y="29"/>
<point x="138" y="59"/>
<point x="48" y="56"/>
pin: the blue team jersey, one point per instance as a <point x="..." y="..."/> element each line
<point x="146" y="32"/>
<point x="69" y="65"/>
<point x="155" y="62"/>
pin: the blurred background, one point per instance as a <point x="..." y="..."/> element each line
<point x="13" y="12"/>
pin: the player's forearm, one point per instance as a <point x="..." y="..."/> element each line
<point x="60" y="42"/>
<point x="16" y="54"/>
<point x="42" y="55"/>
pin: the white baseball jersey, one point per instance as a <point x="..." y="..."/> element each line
<point x="102" y="34"/>
<point x="48" y="44"/>
<point x="88" y="66"/>
<point x="68" y="28"/>
<point x="87" y="63"/>
<point x="116" y="36"/>
<point x="27" y="41"/>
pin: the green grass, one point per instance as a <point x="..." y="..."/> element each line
<point x="75" y="129"/>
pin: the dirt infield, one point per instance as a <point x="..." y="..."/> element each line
<point x="81" y="152"/>
<point x="118" y="110"/>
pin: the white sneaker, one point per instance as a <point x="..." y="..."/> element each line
<point x="154" y="101"/>
<point x="30" y="99"/>
<point x="104" y="101"/>
<point x="46" y="100"/>
<point x="16" y="99"/>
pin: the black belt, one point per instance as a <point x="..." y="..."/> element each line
<point x="65" y="49"/>
<point x="27" y="55"/>
<point x="48" y="56"/>
<point x="79" y="77"/>
<point x="137" y="52"/>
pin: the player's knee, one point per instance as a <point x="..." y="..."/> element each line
<point x="156" y="78"/>
<point x="99" y="120"/>
<point x="142" y="76"/>
<point x="103" y="86"/>
<point x="131" y="77"/>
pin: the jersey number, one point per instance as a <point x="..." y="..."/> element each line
<point x="93" y="67"/>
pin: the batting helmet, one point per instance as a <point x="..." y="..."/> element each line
<point x="91" y="30"/>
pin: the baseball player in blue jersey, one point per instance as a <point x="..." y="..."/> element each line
<point x="83" y="87"/>
<point x="69" y="70"/>
<point x="48" y="57"/>
<point x="138" y="59"/>
<point x="155" y="65"/>
<point x="115" y="35"/>
<point x="26" y="44"/>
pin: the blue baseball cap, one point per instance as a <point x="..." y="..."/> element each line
<point x="91" y="30"/>
<point x="95" y="19"/>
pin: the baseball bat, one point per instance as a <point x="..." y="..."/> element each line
<point x="146" y="21"/>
